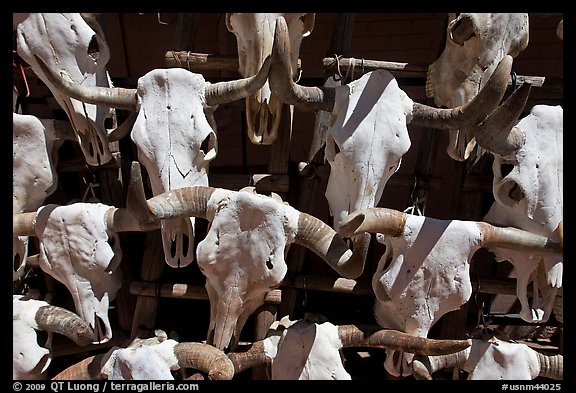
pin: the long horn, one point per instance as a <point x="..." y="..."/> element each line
<point x="497" y="133"/>
<point x="517" y="239"/>
<point x="59" y="320"/>
<point x="115" y="97"/>
<point x="424" y="366"/>
<point x="376" y="219"/>
<point x="551" y="366"/>
<point x="372" y="336"/>
<point x="474" y="112"/>
<point x="254" y="356"/>
<point x="320" y="238"/>
<point x="280" y="79"/>
<point x="23" y="224"/>
<point x="223" y="92"/>
<point x="206" y="358"/>
<point x="86" y="370"/>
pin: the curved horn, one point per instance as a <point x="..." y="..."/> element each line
<point x="23" y="224"/>
<point x="320" y="238"/>
<point x="59" y="320"/>
<point x="424" y="366"/>
<point x="376" y="219"/>
<point x="115" y="97"/>
<point x="254" y="356"/>
<point x="206" y="358"/>
<point x="497" y="133"/>
<point x="86" y="370"/>
<point x="551" y="366"/>
<point x="223" y="92"/>
<point x="471" y="113"/>
<point x="280" y="79"/>
<point x="367" y="336"/>
<point x="517" y="239"/>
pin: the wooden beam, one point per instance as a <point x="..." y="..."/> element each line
<point x="200" y="61"/>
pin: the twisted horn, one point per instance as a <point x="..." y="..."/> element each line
<point x="86" y="369"/>
<point x="551" y="366"/>
<point x="223" y="92"/>
<point x="320" y="238"/>
<point x="59" y="320"/>
<point x="206" y="358"/>
<point x="472" y="113"/>
<point x="280" y="79"/>
<point x="254" y="356"/>
<point x="371" y="336"/>
<point x="23" y="224"/>
<point x="497" y="133"/>
<point x="115" y="97"/>
<point x="424" y="366"/>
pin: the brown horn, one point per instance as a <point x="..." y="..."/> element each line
<point x="85" y="370"/>
<point x="115" y="97"/>
<point x="254" y="356"/>
<point x="206" y="358"/>
<point x="376" y="219"/>
<point x="23" y="224"/>
<point x="59" y="320"/>
<point x="424" y="366"/>
<point x="517" y="239"/>
<point x="320" y="238"/>
<point x="280" y="79"/>
<point x="472" y="113"/>
<point x="223" y="92"/>
<point x="375" y="336"/>
<point x="551" y="366"/>
<point x="497" y="133"/>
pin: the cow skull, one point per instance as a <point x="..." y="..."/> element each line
<point x="528" y="190"/>
<point x="254" y="36"/>
<point x="475" y="44"/>
<point x="69" y="47"/>
<point x="368" y="134"/>
<point x="173" y="135"/>
<point x="34" y="177"/>
<point x="494" y="359"/>
<point x="422" y="274"/>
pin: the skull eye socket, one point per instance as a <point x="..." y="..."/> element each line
<point x="505" y="169"/>
<point x="208" y="146"/>
<point x="94" y="48"/>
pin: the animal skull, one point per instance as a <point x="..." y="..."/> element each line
<point x="68" y="46"/>
<point x="475" y="44"/>
<point x="254" y="36"/>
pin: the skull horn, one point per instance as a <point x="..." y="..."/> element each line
<point x="280" y="79"/>
<point x="223" y="92"/>
<point x="206" y="358"/>
<point x="551" y="366"/>
<point x="377" y="219"/>
<point x="424" y="366"/>
<point x="517" y="239"/>
<point x="497" y="133"/>
<point x="320" y="238"/>
<point x="23" y="224"/>
<point x="114" y="97"/>
<point x="254" y="356"/>
<point x="353" y="336"/>
<point x="472" y="113"/>
<point x="65" y="322"/>
<point x="88" y="369"/>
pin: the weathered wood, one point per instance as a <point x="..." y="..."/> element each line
<point x="151" y="270"/>
<point x="185" y="291"/>
<point x="404" y="70"/>
<point x="185" y="36"/>
<point x="265" y="315"/>
<point x="200" y="61"/>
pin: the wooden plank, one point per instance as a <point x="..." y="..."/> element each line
<point x="343" y="65"/>
<point x="185" y="291"/>
<point x="200" y="61"/>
